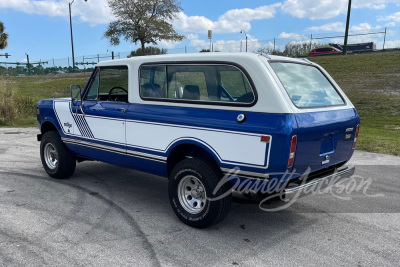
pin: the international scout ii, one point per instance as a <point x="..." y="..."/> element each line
<point x="200" y="118"/>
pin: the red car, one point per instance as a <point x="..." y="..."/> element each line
<point x="325" y="51"/>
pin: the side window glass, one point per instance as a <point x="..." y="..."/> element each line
<point x="214" y="83"/>
<point x="190" y="86"/>
<point x="235" y="85"/>
<point x="109" y="84"/>
<point x="153" y="81"/>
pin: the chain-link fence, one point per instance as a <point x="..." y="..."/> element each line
<point x="294" y="45"/>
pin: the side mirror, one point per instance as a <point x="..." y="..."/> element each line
<point x="76" y="93"/>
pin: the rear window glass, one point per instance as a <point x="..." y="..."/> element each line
<point x="306" y="85"/>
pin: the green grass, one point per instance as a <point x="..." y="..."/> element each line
<point x="19" y="95"/>
<point x="364" y="71"/>
<point x="371" y="81"/>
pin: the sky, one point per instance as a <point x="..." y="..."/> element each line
<point x="41" y="28"/>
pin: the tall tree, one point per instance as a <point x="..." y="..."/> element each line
<point x="144" y="21"/>
<point x="3" y="36"/>
<point x="149" y="50"/>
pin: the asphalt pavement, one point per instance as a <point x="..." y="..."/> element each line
<point x="110" y="216"/>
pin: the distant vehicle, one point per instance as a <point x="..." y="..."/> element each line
<point x="325" y="51"/>
<point x="371" y="46"/>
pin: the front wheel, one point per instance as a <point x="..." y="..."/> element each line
<point x="191" y="192"/>
<point x="56" y="158"/>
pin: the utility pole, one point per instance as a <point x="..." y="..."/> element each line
<point x="28" y="65"/>
<point x="384" y="39"/>
<point x="210" y="37"/>
<point x="347" y="28"/>
<point x="274" y="46"/>
<point x="242" y="31"/>
<point x="72" y="38"/>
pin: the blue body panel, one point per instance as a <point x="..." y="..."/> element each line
<point x="319" y="134"/>
<point x="324" y="134"/>
<point x="280" y="126"/>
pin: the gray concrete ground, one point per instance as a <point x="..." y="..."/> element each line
<point x="110" y="216"/>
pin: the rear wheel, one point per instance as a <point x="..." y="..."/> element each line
<point x="191" y="193"/>
<point x="56" y="158"/>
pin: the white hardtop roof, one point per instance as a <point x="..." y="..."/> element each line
<point x="206" y="56"/>
<point x="272" y="96"/>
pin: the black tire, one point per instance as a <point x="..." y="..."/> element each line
<point x="198" y="178"/>
<point x="56" y="158"/>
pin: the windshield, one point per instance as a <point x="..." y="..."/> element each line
<point x="306" y="85"/>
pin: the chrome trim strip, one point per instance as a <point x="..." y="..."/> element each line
<point x="246" y="174"/>
<point x="94" y="145"/>
<point x="115" y="150"/>
<point x="145" y="155"/>
<point x="319" y="183"/>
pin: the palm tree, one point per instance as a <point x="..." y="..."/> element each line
<point x="3" y="36"/>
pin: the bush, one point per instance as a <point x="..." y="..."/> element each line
<point x="7" y="105"/>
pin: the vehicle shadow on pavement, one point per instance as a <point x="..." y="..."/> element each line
<point x="146" y="197"/>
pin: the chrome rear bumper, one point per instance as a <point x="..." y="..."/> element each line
<point x="318" y="184"/>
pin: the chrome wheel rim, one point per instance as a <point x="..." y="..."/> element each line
<point x="50" y="156"/>
<point x="192" y="194"/>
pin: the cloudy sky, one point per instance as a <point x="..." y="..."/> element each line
<point x="41" y="28"/>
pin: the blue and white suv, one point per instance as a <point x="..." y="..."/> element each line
<point x="200" y="118"/>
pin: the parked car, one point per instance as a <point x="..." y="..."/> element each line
<point x="329" y="50"/>
<point x="203" y="119"/>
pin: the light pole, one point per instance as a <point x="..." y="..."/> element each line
<point x="347" y="29"/>
<point x="242" y="31"/>
<point x="72" y="38"/>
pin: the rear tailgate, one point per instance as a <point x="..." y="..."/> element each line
<point x="324" y="138"/>
<point x="326" y="119"/>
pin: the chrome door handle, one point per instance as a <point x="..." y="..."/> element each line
<point x="122" y="109"/>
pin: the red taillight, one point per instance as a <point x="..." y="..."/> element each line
<point x="356" y="136"/>
<point x="292" y="151"/>
<point x="265" y="138"/>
